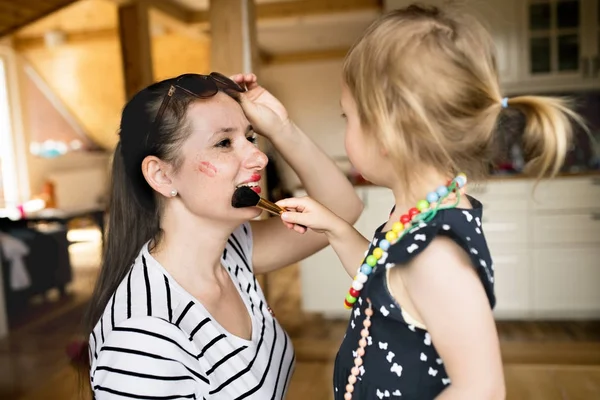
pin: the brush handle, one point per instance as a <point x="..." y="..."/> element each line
<point x="270" y="207"/>
<point x="273" y="208"/>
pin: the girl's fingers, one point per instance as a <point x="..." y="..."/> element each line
<point x="294" y="227"/>
<point x="294" y="203"/>
<point x="299" y="229"/>
<point x="288" y="225"/>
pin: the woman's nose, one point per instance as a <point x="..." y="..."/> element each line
<point x="256" y="159"/>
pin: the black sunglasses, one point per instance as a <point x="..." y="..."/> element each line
<point x="201" y="86"/>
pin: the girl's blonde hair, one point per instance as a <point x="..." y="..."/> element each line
<point x="426" y="85"/>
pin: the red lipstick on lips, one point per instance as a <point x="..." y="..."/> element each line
<point x="255" y="178"/>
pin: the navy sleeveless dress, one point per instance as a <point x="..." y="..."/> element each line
<point x="401" y="361"/>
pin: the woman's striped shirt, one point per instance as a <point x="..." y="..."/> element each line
<point x="156" y="341"/>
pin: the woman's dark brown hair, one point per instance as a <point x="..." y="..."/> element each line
<point x="134" y="210"/>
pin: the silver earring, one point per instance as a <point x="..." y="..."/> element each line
<point x="173" y="193"/>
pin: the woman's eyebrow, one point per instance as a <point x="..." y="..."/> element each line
<point x="231" y="129"/>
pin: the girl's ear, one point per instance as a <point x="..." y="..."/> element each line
<point x="157" y="174"/>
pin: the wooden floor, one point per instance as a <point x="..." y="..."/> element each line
<point x="543" y="360"/>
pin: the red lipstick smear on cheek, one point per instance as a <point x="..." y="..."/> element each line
<point x="207" y="168"/>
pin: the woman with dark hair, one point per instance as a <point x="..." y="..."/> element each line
<point x="177" y="311"/>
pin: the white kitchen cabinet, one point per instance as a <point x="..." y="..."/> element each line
<point x="512" y="282"/>
<point x="544" y="241"/>
<point x="501" y="195"/>
<point x="542" y="45"/>
<point x="566" y="249"/>
<point x="558" y="43"/>
<point x="378" y="202"/>
<point x="567" y="195"/>
<point x="505" y="224"/>
<point x="567" y="230"/>
<point x="325" y="284"/>
<point x="567" y="282"/>
<point x="506" y="228"/>
<point x="507" y="235"/>
<point x="323" y="279"/>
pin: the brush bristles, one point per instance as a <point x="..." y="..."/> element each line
<point x="244" y="197"/>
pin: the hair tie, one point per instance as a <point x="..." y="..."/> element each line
<point x="505" y="102"/>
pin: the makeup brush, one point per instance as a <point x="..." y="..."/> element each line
<point x="246" y="197"/>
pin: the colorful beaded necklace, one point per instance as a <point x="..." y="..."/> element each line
<point x="443" y="197"/>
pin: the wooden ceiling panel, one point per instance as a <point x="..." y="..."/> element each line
<point x="16" y="14"/>
<point x="82" y="16"/>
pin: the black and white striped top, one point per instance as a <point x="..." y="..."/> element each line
<point x="156" y="341"/>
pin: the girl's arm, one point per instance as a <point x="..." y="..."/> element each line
<point x="274" y="245"/>
<point x="349" y="245"/>
<point x="346" y="241"/>
<point x="447" y="293"/>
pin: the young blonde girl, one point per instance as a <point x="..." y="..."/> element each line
<point x="421" y="98"/>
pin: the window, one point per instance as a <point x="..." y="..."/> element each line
<point x="14" y="185"/>
<point x="8" y="173"/>
<point x="554" y="36"/>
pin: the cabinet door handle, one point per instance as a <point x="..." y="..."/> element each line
<point x="595" y="216"/>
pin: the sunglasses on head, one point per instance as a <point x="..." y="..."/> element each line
<point x="201" y="86"/>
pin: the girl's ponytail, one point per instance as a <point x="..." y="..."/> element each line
<point x="548" y="132"/>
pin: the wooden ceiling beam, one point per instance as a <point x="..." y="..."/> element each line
<point x="301" y="8"/>
<point x="30" y="42"/>
<point x="172" y="9"/>
<point x="169" y="7"/>
<point x="303" y="56"/>
<point x="136" y="47"/>
<point x="16" y="15"/>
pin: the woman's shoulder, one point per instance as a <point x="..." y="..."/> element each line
<point x="146" y="290"/>
<point x="144" y="337"/>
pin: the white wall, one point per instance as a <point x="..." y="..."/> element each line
<point x="40" y="169"/>
<point x="311" y="93"/>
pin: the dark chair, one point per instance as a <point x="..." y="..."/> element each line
<point x="47" y="263"/>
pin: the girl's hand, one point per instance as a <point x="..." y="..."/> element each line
<point x="266" y="114"/>
<point x="305" y="212"/>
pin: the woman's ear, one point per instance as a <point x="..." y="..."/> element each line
<point x="157" y="174"/>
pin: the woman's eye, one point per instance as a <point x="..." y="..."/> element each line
<point x="224" y="143"/>
<point x="252" y="139"/>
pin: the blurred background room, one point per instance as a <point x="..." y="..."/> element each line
<point x="68" y="66"/>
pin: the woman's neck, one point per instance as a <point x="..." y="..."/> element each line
<point x="190" y="249"/>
